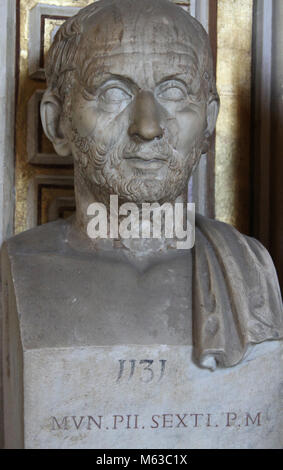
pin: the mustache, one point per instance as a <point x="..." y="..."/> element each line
<point x="159" y="150"/>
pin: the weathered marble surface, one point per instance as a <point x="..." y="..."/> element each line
<point x="76" y="310"/>
<point x="72" y="399"/>
<point x="60" y="365"/>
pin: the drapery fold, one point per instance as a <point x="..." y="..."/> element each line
<point x="236" y="295"/>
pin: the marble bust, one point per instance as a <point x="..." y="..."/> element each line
<point x="132" y="96"/>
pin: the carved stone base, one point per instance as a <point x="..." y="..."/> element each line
<point x="145" y="397"/>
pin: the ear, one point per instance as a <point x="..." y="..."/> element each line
<point x="211" y="118"/>
<point x="50" y="110"/>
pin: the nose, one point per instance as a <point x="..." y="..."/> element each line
<point x="145" y="120"/>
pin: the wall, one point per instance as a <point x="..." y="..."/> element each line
<point x="7" y="105"/>
<point x="276" y="171"/>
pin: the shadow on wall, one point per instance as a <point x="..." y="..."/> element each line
<point x="276" y="179"/>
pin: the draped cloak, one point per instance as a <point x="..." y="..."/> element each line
<point x="236" y="295"/>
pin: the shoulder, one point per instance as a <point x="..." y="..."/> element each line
<point x="238" y="274"/>
<point x="243" y="260"/>
<point x="46" y="238"/>
<point x="227" y="237"/>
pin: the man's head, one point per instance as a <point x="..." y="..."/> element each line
<point x="131" y="94"/>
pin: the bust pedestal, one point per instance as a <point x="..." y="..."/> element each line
<point x="62" y="390"/>
<point x="74" y="398"/>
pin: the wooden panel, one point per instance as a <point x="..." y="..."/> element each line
<point x="45" y="194"/>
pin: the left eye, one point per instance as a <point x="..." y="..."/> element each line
<point x="115" y="95"/>
<point x="172" y="94"/>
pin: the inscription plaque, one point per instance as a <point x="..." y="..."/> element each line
<point x="83" y="405"/>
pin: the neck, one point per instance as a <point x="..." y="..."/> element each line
<point x="117" y="216"/>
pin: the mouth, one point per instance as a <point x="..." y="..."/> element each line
<point x="143" y="162"/>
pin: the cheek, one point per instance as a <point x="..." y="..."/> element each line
<point x="84" y="117"/>
<point x="191" y="125"/>
<point x="89" y="121"/>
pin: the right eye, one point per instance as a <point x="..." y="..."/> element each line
<point x="172" y="93"/>
<point x="115" y="95"/>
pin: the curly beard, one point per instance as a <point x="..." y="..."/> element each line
<point x="104" y="170"/>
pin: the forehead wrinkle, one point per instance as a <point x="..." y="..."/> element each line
<point x="182" y="76"/>
<point x="109" y="55"/>
<point x="100" y="77"/>
<point x="110" y="64"/>
<point x="93" y="47"/>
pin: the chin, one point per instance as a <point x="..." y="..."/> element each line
<point x="148" y="190"/>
